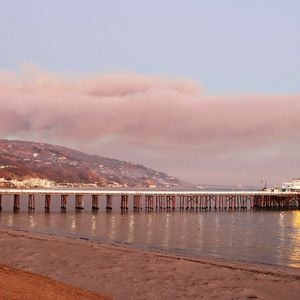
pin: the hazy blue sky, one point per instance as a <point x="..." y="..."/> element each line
<point x="229" y="46"/>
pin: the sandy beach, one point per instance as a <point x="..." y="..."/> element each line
<point x="17" y="284"/>
<point x="125" y="273"/>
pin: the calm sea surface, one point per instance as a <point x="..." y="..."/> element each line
<point x="269" y="237"/>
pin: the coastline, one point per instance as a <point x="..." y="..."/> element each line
<point x="127" y="273"/>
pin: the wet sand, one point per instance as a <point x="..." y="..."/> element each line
<point x="126" y="273"/>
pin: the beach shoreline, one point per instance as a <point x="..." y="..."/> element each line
<point x="127" y="273"/>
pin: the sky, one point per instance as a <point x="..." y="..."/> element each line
<point x="207" y="91"/>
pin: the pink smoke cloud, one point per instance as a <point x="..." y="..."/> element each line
<point x="150" y="113"/>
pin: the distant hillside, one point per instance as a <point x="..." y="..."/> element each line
<point x="22" y="160"/>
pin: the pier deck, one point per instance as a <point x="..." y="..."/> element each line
<point x="161" y="199"/>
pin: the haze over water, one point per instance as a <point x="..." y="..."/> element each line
<point x="271" y="237"/>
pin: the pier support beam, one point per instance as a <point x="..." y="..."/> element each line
<point x="200" y="201"/>
<point x="95" y="202"/>
<point x="137" y="202"/>
<point x="146" y="202"/>
<point x="162" y="202"/>
<point x="16" y="201"/>
<point x="109" y="202"/>
<point x="181" y="202"/>
<point x="173" y="202"/>
<point x="169" y="199"/>
<point x="196" y="201"/>
<point x="31" y="201"/>
<point x="124" y="202"/>
<point x="249" y="202"/>
<point x="234" y="198"/>
<point x="196" y="198"/>
<point x="157" y="201"/>
<point x="47" y="202"/>
<point x="206" y="201"/>
<point x="63" y="202"/>
<point x="187" y="203"/>
<point x="149" y="202"/>
<point x="242" y="201"/>
<point x="79" y="202"/>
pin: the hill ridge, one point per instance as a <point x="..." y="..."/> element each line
<point x="24" y="160"/>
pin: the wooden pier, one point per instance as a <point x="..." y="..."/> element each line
<point x="152" y="200"/>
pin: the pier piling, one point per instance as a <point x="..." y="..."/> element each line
<point x="16" y="201"/>
<point x="137" y="202"/>
<point x="149" y="202"/>
<point x="79" y="202"/>
<point x="95" y="202"/>
<point x="124" y="202"/>
<point x="47" y="202"/>
<point x="31" y="202"/>
<point x="63" y="202"/>
<point x="173" y="202"/>
<point x="169" y="198"/>
<point x="109" y="202"/>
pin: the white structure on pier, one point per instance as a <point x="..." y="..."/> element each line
<point x="293" y="186"/>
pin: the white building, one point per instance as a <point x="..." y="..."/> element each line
<point x="27" y="183"/>
<point x="294" y="185"/>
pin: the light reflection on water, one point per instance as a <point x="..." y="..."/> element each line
<point x="265" y="237"/>
<point x="295" y="255"/>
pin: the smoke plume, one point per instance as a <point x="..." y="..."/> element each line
<point x="133" y="113"/>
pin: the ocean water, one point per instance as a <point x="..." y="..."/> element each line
<point x="269" y="237"/>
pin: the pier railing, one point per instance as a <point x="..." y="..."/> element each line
<point x="160" y="199"/>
